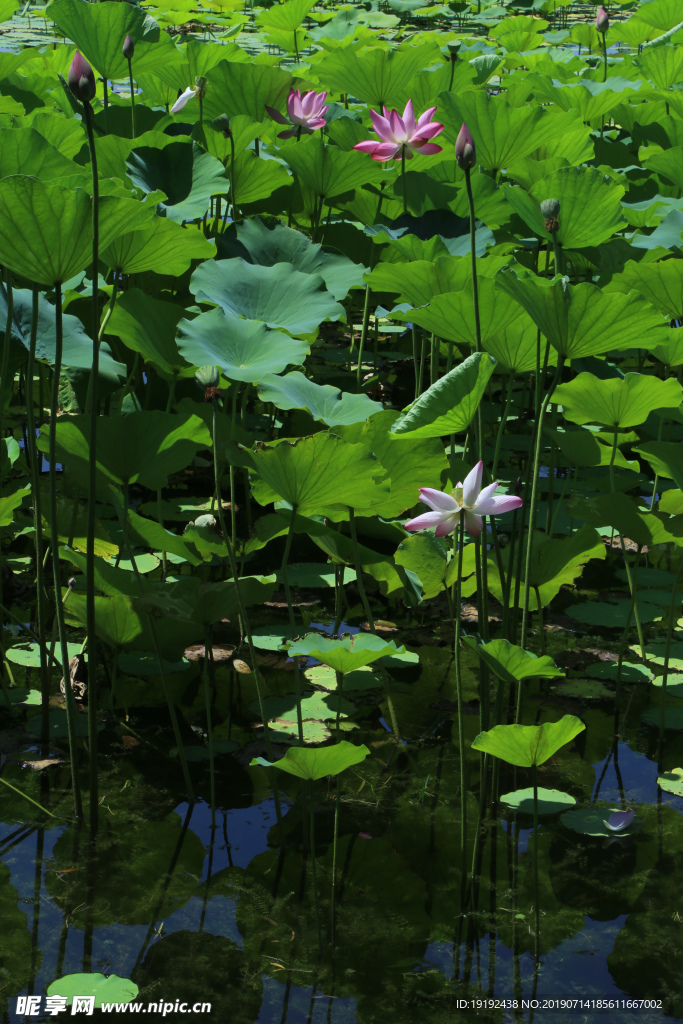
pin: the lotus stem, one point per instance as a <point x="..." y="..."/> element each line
<point x="132" y="97"/>
<point x="313" y="866"/>
<point x="532" y="512"/>
<point x="501" y="425"/>
<point x="363" y="336"/>
<point x="629" y="576"/>
<point x="292" y="626"/>
<point x="604" y="57"/>
<point x="454" y="608"/>
<point x="537" y="908"/>
<point x="34" y="462"/>
<point x="208" y="644"/>
<point x="54" y="546"/>
<point x="403" y="180"/>
<point x="26" y="797"/>
<point x="92" y="477"/>
<point x="667" y="651"/>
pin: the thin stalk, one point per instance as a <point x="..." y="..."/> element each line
<point x="71" y="711"/>
<point x="629" y="576"/>
<point x="106" y="107"/>
<point x="416" y="362"/>
<point x="233" y="509"/>
<point x="34" y="462"/>
<point x="30" y="799"/>
<point x="292" y="626"/>
<point x="403" y="180"/>
<point x="669" y="632"/>
<point x="501" y="425"/>
<point x="454" y="608"/>
<point x="363" y="336"/>
<point x="7" y="339"/>
<point x="604" y="58"/>
<point x="92" y="477"/>
<point x="369" y="616"/>
<point x="313" y="866"/>
<point x="132" y="97"/>
<point x="233" y="203"/>
<point x="208" y="643"/>
<point x="532" y="508"/>
<point x="537" y="908"/>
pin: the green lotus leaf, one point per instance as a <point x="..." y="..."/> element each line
<point x="196" y="601"/>
<point x="590" y="821"/>
<point x="26" y="151"/>
<point x="347" y="653"/>
<point x="325" y="403"/>
<point x="46" y="230"/>
<point x="187" y="174"/>
<point x="311" y="575"/>
<point x="661" y="65"/>
<point x="514" y="346"/>
<point x="612" y="614"/>
<point x="660" y="283"/>
<point x="451" y="316"/>
<point x="502" y="132"/>
<point x="116" y="620"/>
<point x="244" y="350"/>
<point x="309" y="763"/>
<point x="327" y="170"/>
<point x="409" y="461"/>
<point x="426" y="556"/>
<point x="98" y="30"/>
<point x="110" y="989"/>
<point x="380" y="76"/>
<point x="156" y="537"/>
<point x="617" y="402"/>
<point x="265" y="246"/>
<point x="280" y="296"/>
<point x="581" y="320"/>
<point x="672" y="782"/>
<point x="582" y="448"/>
<point x="449" y="405"/>
<point x="419" y="281"/>
<point x="667" y="234"/>
<point x="629" y="673"/>
<point x="511" y="664"/>
<point x="321" y="475"/>
<point x="590" y="99"/>
<point x="590" y="206"/>
<point x="245" y="88"/>
<point x="10" y="503"/>
<point x="665" y="457"/>
<point x="148" y="326"/>
<point x="287" y="17"/>
<point x="550" y="801"/>
<point x="76" y="343"/>
<point x="143" y="447"/>
<point x="162" y="245"/>
<point x="649" y="22"/>
<point x="528" y="745"/>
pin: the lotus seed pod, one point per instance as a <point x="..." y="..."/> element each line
<point x="200" y="85"/>
<point x="602" y="21"/>
<point x="207" y="377"/>
<point x="550" y="208"/>
<point x="222" y="124"/>
<point x="81" y="79"/>
<point x="128" y="48"/>
<point x="206" y="522"/>
<point x="465" y="153"/>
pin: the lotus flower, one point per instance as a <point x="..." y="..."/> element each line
<point x="128" y="48"/>
<point x="602" y="21"/>
<point x="306" y="113"/>
<point x="402" y="135"/>
<point x="468" y="498"/>
<point x="465" y="153"/>
<point x="81" y="78"/>
<point x="198" y="89"/>
<point x="619" y="821"/>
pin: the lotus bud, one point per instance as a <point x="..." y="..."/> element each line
<point x="550" y="208"/>
<point x="465" y="153"/>
<point x="602" y="21"/>
<point x="222" y="124"/>
<point x="207" y="377"/>
<point x="128" y="48"/>
<point x="72" y="582"/>
<point x="81" y="79"/>
<point x="200" y="85"/>
<point x="453" y="49"/>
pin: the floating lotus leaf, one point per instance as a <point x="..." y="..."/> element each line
<point x="318" y="764"/>
<point x="347" y="653"/>
<point x="109" y="989"/>
<point x="672" y="782"/>
<point x="527" y="745"/>
<point x="550" y="801"/>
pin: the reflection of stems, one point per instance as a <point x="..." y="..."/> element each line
<point x="629" y="577"/>
<point x="292" y="627"/>
<point x="132" y="97"/>
<point x="33" y="458"/>
<point x="369" y="617"/>
<point x="670" y="625"/>
<point x="454" y="608"/>
<point x="533" y="507"/>
<point x="54" y="546"/>
<point x="313" y="867"/>
<point x="233" y="510"/>
<point x="92" y="476"/>
<point x="334" y="845"/>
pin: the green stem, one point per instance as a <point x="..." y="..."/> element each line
<point x="604" y="56"/>
<point x="71" y="711"/>
<point x="30" y="799"/>
<point x="629" y="576"/>
<point x="454" y="608"/>
<point x="232" y="177"/>
<point x="7" y="340"/>
<point x="208" y="643"/>
<point x="501" y="425"/>
<point x="403" y="180"/>
<point x="233" y="503"/>
<point x="669" y="632"/>
<point x="537" y="908"/>
<point x="34" y="461"/>
<point x="132" y="97"/>
<point x="313" y="865"/>
<point x="292" y="626"/>
<point x="363" y="336"/>
<point x="533" y="507"/>
<point x="92" y="477"/>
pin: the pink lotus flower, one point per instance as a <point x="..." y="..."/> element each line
<point x="81" y="78"/>
<point x="306" y="113"/>
<point x="619" y="821"/>
<point x="468" y="498"/>
<point x="602" y="21"/>
<point x="401" y="135"/>
<point x="465" y="152"/>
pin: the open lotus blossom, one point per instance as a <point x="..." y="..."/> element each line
<point x="468" y="498"/>
<point x="619" y="821"/>
<point x="602" y="21"/>
<point x="402" y="135"/>
<point x="306" y="113"/>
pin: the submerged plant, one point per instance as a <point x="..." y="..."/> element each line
<point x="467" y="498"/>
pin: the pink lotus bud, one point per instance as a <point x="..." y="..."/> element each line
<point x="81" y="78"/>
<point x="602" y="21"/>
<point x="465" y="153"/>
<point x="128" y="48"/>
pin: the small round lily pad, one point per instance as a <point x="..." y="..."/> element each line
<point x="674" y="684"/>
<point x="588" y="689"/>
<point x="550" y="801"/>
<point x="590" y="821"/>
<point x="672" y="782"/>
<point x="105" y="990"/>
<point x="630" y="673"/>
